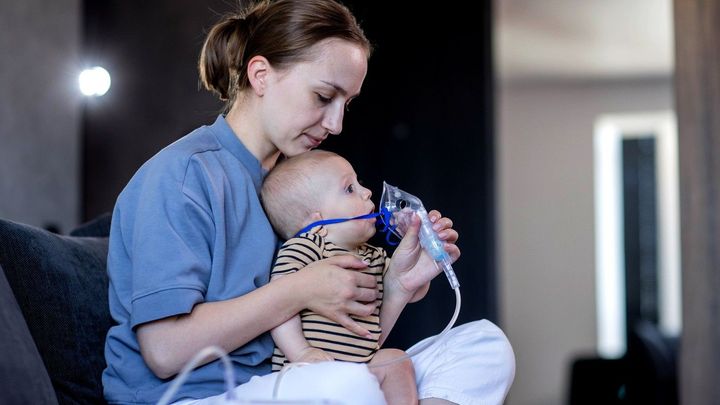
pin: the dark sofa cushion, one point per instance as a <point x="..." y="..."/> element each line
<point x="60" y="284"/>
<point x="97" y="227"/>
<point x="22" y="373"/>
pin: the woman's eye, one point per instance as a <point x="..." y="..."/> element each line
<point x="323" y="99"/>
<point x="350" y="189"/>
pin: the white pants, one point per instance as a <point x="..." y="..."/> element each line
<point x="472" y="364"/>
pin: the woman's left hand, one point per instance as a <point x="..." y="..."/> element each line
<point x="411" y="268"/>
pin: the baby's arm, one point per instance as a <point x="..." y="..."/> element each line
<point x="289" y="338"/>
<point x="392" y="307"/>
<point x="390" y="311"/>
<point x="408" y="278"/>
<point x="291" y="341"/>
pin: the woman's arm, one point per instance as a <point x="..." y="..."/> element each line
<point x="325" y="287"/>
<point x="411" y="270"/>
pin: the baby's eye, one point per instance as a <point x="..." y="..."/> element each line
<point x="350" y="189"/>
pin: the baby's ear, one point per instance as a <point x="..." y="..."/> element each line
<point x="314" y="217"/>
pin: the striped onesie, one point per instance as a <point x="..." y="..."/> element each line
<point x="319" y="331"/>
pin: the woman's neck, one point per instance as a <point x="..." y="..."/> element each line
<point x="247" y="129"/>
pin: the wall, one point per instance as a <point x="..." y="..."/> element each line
<point x="40" y="112"/>
<point x="546" y="229"/>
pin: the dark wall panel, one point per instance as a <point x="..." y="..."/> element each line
<point x="424" y="123"/>
<point x="151" y="51"/>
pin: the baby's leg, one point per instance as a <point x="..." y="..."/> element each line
<point x="397" y="380"/>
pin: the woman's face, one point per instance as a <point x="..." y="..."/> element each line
<point x="305" y="103"/>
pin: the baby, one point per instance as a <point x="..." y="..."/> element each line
<point x="299" y="191"/>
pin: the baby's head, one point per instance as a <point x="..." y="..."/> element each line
<point x="318" y="185"/>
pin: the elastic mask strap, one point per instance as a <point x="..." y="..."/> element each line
<point x="336" y="221"/>
<point x="385" y="215"/>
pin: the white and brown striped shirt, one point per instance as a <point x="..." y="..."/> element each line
<point x="319" y="331"/>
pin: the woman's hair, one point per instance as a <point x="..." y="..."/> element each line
<point x="289" y="193"/>
<point x="282" y="31"/>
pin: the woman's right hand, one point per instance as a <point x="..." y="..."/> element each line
<point x="335" y="288"/>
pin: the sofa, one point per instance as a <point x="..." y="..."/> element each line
<point x="53" y="313"/>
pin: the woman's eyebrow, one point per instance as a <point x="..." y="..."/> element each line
<point x="339" y="89"/>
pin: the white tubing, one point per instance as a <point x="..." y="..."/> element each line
<point x="429" y="342"/>
<point x="204" y="354"/>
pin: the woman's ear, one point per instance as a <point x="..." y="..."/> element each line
<point x="257" y="70"/>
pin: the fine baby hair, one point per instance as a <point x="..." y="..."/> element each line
<point x="288" y="192"/>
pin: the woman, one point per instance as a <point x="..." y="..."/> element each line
<point x="191" y="249"/>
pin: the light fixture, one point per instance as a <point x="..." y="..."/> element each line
<point x="94" y="81"/>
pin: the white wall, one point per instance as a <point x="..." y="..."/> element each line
<point x="40" y="112"/>
<point x="546" y="251"/>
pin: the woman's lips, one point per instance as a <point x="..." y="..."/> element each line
<point x="312" y="141"/>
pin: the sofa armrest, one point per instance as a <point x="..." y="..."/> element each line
<point x="23" y="378"/>
<point x="60" y="284"/>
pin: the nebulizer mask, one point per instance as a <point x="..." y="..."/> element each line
<point x="396" y="211"/>
<point x="397" y="208"/>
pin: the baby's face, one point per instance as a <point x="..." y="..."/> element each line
<point x="341" y="196"/>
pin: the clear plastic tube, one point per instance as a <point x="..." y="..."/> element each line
<point x="428" y="342"/>
<point x="202" y="355"/>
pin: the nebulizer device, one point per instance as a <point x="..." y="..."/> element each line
<point x="397" y="209"/>
<point x="396" y="212"/>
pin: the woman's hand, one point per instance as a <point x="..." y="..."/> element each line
<point x="336" y="289"/>
<point x="411" y="268"/>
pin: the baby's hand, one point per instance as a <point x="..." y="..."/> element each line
<point x="313" y="355"/>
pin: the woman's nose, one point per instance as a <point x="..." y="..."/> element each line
<point x="332" y="121"/>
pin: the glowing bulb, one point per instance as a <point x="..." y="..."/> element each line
<point x="94" y="81"/>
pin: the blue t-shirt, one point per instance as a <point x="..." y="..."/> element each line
<point x="188" y="228"/>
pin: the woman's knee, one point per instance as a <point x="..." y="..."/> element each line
<point x="493" y="346"/>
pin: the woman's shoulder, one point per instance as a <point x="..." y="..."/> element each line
<point x="195" y="143"/>
<point x="192" y="156"/>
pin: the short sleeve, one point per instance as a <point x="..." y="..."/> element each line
<point x="297" y="253"/>
<point x="171" y="244"/>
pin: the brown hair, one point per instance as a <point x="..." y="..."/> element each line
<point x="282" y="31"/>
<point x="289" y="195"/>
